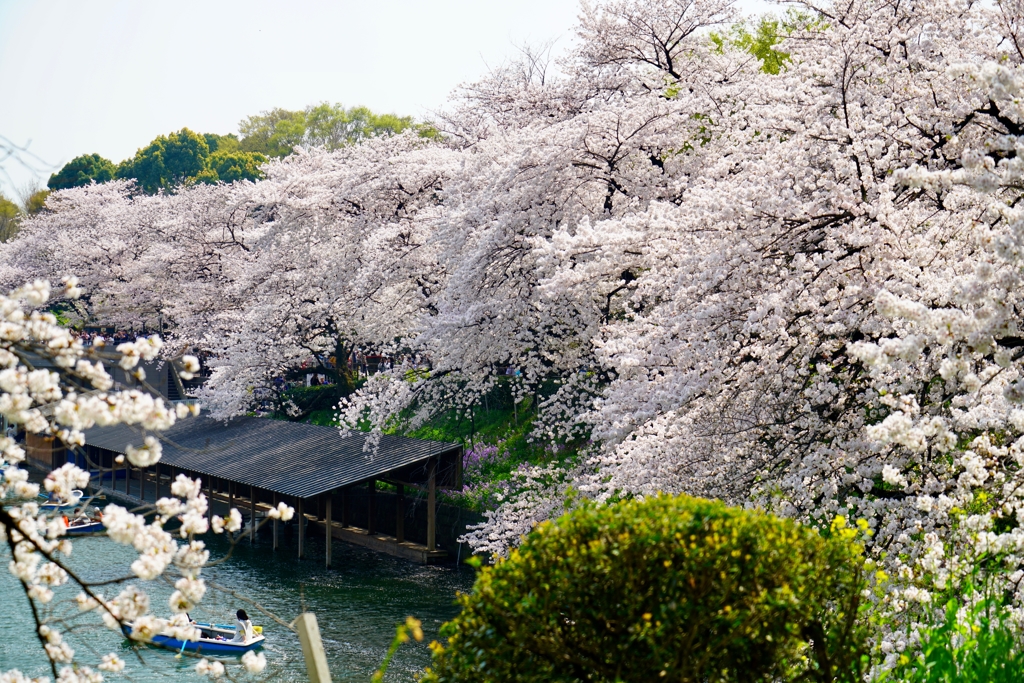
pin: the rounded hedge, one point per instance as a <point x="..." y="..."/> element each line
<point x="665" y="589"/>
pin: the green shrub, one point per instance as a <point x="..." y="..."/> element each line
<point x="310" y="400"/>
<point x="667" y="589"/>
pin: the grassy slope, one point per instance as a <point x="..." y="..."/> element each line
<point x="502" y="426"/>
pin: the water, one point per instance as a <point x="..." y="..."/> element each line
<point x="358" y="603"/>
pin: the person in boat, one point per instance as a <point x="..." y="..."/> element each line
<point x="243" y="628"/>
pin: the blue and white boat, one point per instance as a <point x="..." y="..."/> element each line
<point x="210" y="645"/>
<point x="54" y="504"/>
<point x="83" y="524"/>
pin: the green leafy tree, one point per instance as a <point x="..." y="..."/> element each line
<point x="332" y="126"/>
<point x="82" y="170"/>
<point x="274" y="133"/>
<point x="207" y="176"/>
<point x="36" y="201"/>
<point x="665" y="589"/>
<point x="146" y="167"/>
<point x="221" y="143"/>
<point x="277" y="132"/>
<point x="167" y="162"/>
<point x="762" y="41"/>
<point x="232" y="166"/>
<point x="185" y="154"/>
<point x="10" y="214"/>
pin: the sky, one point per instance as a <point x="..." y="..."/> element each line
<point x="108" y="76"/>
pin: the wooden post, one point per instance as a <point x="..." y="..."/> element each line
<point x="231" y="496"/>
<point x="371" y="507"/>
<point x="275" y="523"/>
<point x="344" y="507"/>
<point x="432" y="506"/>
<point x="312" y="647"/>
<point x="302" y="527"/>
<point x="327" y="525"/>
<point x="252" y="514"/>
<point x="400" y="514"/>
<point x="209" y="499"/>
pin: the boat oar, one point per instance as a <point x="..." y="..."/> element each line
<point x="182" y="650"/>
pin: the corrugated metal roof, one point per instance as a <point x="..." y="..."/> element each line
<point x="289" y="458"/>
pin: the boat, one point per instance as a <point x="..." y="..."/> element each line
<point x="83" y="524"/>
<point x="208" y="646"/>
<point x="53" y="504"/>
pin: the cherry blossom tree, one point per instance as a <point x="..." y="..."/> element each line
<point x="795" y="290"/>
<point x="54" y="387"/>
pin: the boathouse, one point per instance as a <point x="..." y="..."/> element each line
<point x="253" y="463"/>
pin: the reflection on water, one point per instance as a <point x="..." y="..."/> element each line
<point x="358" y="603"/>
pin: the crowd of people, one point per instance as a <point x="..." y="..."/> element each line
<point x="90" y="337"/>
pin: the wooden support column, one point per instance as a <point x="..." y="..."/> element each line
<point x="328" y="526"/>
<point x="231" y="496"/>
<point x="344" y="507"/>
<point x="432" y="506"/>
<point x="371" y="491"/>
<point x="275" y="523"/>
<point x="302" y="527"/>
<point x="252" y="513"/>
<point x="400" y="514"/>
<point x="127" y="475"/>
<point x="209" y="499"/>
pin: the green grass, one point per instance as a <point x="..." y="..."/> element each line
<point x="499" y="424"/>
<point x="324" y="418"/>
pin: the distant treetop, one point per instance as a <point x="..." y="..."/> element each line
<point x="277" y="132"/>
<point x="187" y="157"/>
<point x="82" y="171"/>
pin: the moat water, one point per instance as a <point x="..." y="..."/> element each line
<point x="358" y="603"/>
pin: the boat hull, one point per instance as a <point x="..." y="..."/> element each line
<point x="204" y="646"/>
<point x="94" y="528"/>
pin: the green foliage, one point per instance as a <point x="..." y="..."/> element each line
<point x="273" y="133"/>
<point x="232" y="166"/>
<point x="36" y="202"/>
<point x="278" y="131"/>
<point x="411" y="629"/>
<point x="221" y="143"/>
<point x="332" y="126"/>
<point x="207" y="176"/>
<point x="974" y="644"/>
<point x="9" y="216"/>
<point x="760" y="43"/>
<point x="670" y="588"/>
<point x="82" y="171"/>
<point x="184" y="156"/>
<point x="167" y="161"/>
<point x="315" y="404"/>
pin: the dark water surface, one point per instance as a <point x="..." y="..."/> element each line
<point x="358" y="603"/>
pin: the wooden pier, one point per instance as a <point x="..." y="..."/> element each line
<point x="252" y="464"/>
